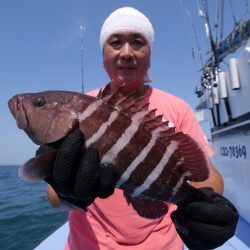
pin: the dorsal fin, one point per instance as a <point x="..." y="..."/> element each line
<point x="150" y="115"/>
<point x="166" y="123"/>
<point x="104" y="92"/>
<point x="128" y="106"/>
<point x="142" y="107"/>
<point x="134" y="102"/>
<point x="151" y="112"/>
<point x="168" y="132"/>
<point x="133" y="106"/>
<point x="100" y="94"/>
<point x="156" y="120"/>
<point x="153" y="127"/>
<point x="110" y="99"/>
<point x="137" y="108"/>
<point x="125" y="98"/>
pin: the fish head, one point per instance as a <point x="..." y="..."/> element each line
<point x="48" y="116"/>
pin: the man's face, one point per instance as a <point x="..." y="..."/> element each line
<point x="126" y="57"/>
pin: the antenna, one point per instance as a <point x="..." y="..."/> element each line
<point x="82" y="29"/>
<point x="209" y="32"/>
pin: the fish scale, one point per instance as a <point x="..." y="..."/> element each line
<point x="153" y="161"/>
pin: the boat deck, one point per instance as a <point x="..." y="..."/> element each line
<point x="241" y="240"/>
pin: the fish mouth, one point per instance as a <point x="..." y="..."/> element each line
<point x="18" y="111"/>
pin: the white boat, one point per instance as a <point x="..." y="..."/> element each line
<point x="224" y="101"/>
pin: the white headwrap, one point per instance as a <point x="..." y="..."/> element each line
<point x="127" y="18"/>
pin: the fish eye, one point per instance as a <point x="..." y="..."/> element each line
<point x="38" y="102"/>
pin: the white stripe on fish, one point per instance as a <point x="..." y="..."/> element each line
<point x="157" y="170"/>
<point x="101" y="131"/>
<point x="125" y="137"/>
<point x="141" y="157"/>
<point x="90" y="110"/>
<point x="179" y="183"/>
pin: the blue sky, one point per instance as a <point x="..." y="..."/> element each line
<point x="40" y="50"/>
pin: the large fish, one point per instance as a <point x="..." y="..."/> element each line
<point x="154" y="163"/>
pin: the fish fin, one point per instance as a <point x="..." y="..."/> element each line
<point x="113" y="98"/>
<point x="134" y="109"/>
<point x="168" y="133"/>
<point x="156" y="120"/>
<point x="147" y="208"/>
<point x="129" y="106"/>
<point x="151" y="113"/>
<point x="133" y="103"/>
<point x="125" y="103"/>
<point x="100" y="92"/>
<point x="151" y="121"/>
<point x="126" y="99"/>
<point x="193" y="162"/>
<point x="103" y="92"/>
<point x="38" y="168"/>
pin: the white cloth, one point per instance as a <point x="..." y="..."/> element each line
<point x="127" y="18"/>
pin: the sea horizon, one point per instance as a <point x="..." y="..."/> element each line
<point x="26" y="216"/>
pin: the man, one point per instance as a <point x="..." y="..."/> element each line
<point x="126" y="40"/>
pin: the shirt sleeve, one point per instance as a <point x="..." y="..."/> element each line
<point x="189" y="125"/>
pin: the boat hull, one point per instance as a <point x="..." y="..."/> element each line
<point x="232" y="159"/>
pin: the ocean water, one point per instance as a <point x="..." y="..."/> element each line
<point x="26" y="217"/>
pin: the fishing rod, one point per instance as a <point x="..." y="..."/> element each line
<point x="219" y="17"/>
<point x="194" y="42"/>
<point x="233" y="15"/>
<point x="209" y="32"/>
<point x="82" y="29"/>
<point x="210" y="73"/>
<point x="222" y="20"/>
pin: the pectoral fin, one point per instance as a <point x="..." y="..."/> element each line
<point x="147" y="208"/>
<point x="38" y="168"/>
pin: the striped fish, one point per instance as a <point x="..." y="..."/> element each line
<point x="154" y="163"/>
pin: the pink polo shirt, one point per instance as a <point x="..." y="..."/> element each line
<point x="111" y="224"/>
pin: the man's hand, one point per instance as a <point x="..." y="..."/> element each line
<point x="204" y="225"/>
<point x="77" y="176"/>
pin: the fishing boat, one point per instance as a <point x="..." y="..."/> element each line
<point x="223" y="103"/>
